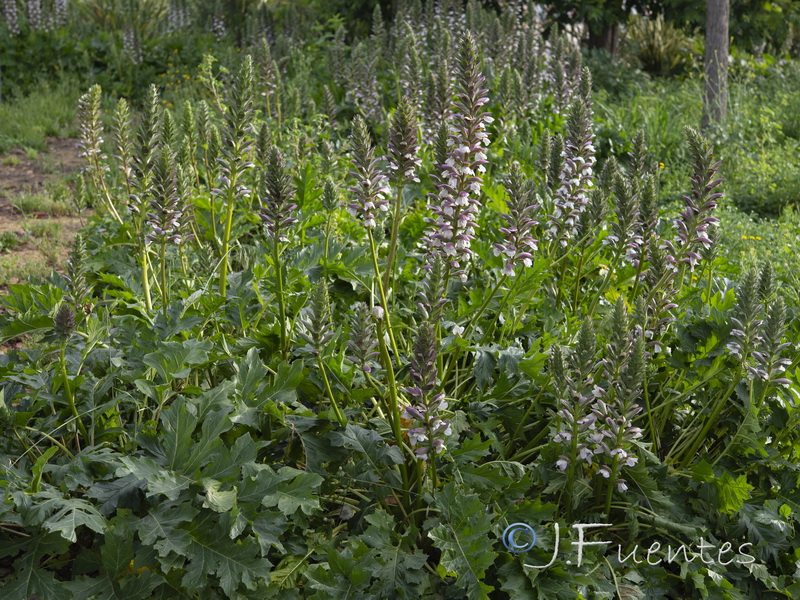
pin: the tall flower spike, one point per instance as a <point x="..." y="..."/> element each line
<point x="91" y="128"/>
<point x="123" y="139"/>
<point x="576" y="176"/>
<point x="452" y="228"/>
<point x="330" y="195"/>
<point x="428" y="438"/>
<point x="404" y="144"/>
<point x="277" y="192"/>
<point x="148" y="138"/>
<point x="747" y="322"/>
<point x="770" y="366"/>
<point x="432" y="299"/>
<point x="64" y="323"/>
<point x="694" y="220"/>
<point x="625" y="233"/>
<point x="165" y="212"/>
<point x="315" y="320"/>
<point x="370" y="189"/>
<point x="12" y="17"/>
<point x="555" y="164"/>
<point x="362" y="343"/>
<point x="518" y="243"/>
<point x="80" y="290"/>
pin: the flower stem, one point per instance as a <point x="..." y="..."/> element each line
<point x="223" y="275"/>
<point x="384" y="303"/>
<point x="398" y="213"/>
<point x="276" y="256"/>
<point x="164" y="293"/>
<point x="336" y="410"/>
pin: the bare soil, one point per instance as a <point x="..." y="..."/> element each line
<point x="21" y="174"/>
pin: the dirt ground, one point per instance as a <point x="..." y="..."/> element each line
<point x="19" y="174"/>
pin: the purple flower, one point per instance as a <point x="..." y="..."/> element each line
<point x="427" y="409"/>
<point x="694" y="220"/>
<point x="518" y="244"/>
<point x="370" y="188"/>
<point x="572" y="195"/>
<point x="452" y="228"/>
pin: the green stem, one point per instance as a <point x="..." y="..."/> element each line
<point x="719" y="405"/>
<point x="611" y="269"/>
<point x="148" y="301"/>
<point x="102" y="185"/>
<point x="68" y="390"/>
<point x="164" y="292"/>
<point x="610" y="490"/>
<point x="398" y="213"/>
<point x="223" y="275"/>
<point x="276" y="256"/>
<point x="451" y="361"/>
<point x="578" y="282"/>
<point x="384" y="303"/>
<point x="339" y="416"/>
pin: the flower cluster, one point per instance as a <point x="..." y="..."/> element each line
<point x="316" y="328"/>
<point x="518" y="244"/>
<point x="218" y="27"/>
<point x="276" y="191"/>
<point x="428" y="437"/>
<point x="575" y="177"/>
<point x="693" y="222"/>
<point x="404" y="145"/>
<point x="132" y="46"/>
<point x="370" y="188"/>
<point x="362" y="343"/>
<point x="747" y="321"/>
<point x="452" y="228"/>
<point x="178" y="16"/>
<point x="12" y="17"/>
<point x="90" y="126"/>
<point x="165" y="211"/>
<point x="575" y="421"/>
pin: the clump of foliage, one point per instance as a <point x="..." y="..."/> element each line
<point x="364" y="323"/>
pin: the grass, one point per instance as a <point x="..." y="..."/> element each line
<point x="28" y="121"/>
<point x="21" y="267"/>
<point x="44" y="229"/>
<point x="54" y="201"/>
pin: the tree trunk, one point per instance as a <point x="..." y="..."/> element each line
<point x="715" y="98"/>
<point x="605" y="38"/>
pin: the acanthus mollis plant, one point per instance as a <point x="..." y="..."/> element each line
<point x="363" y="88"/>
<point x="452" y="228"/>
<point x="12" y="17"/>
<point x="518" y="243"/>
<point x="362" y="343"/>
<point x="574" y="420"/>
<point x="696" y="217"/>
<point x="141" y="181"/>
<point x="79" y="289"/>
<point x="369" y="193"/>
<point x="370" y="189"/>
<point x="317" y="330"/>
<point x="165" y="215"/>
<point x="616" y="405"/>
<point x="625" y="237"/>
<point x="123" y="143"/>
<point x="277" y="192"/>
<point x="428" y="437"/>
<point x="439" y="98"/>
<point x="91" y="141"/>
<point x="235" y="156"/>
<point x="404" y="162"/>
<point x="576" y="176"/>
